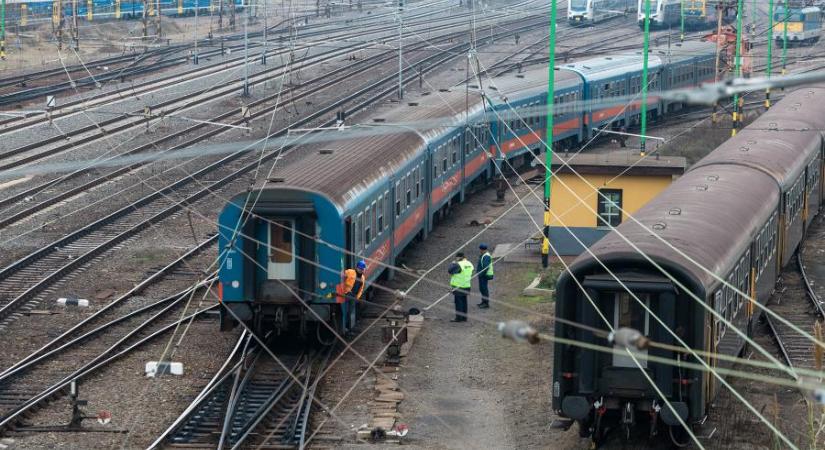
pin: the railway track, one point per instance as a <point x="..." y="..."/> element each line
<point x="51" y="143"/>
<point x="53" y="81"/>
<point x="26" y="282"/>
<point x="11" y="205"/>
<point x="255" y="400"/>
<point x="71" y="107"/>
<point x="798" y="303"/>
<point x="26" y="388"/>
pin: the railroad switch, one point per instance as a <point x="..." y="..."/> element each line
<point x="395" y="334"/>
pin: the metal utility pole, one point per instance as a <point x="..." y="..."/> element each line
<point x="400" y="49"/>
<point x="197" y="14"/>
<point x="220" y="15"/>
<point x="158" y="13"/>
<point x="245" y="54"/>
<point x="737" y="69"/>
<point x="645" y="48"/>
<point x="769" y="67"/>
<point x="719" y="11"/>
<point x="785" y="38"/>
<point x="58" y="17"/>
<point x="232" y="14"/>
<point x="682" y="27"/>
<point x="263" y="52"/>
<point x="75" y="30"/>
<point x="3" y="29"/>
<point x="548" y="137"/>
<point x="145" y="19"/>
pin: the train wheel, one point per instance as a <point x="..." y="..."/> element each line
<point x="585" y="427"/>
<point x="678" y="436"/>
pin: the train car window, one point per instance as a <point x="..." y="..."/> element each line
<point x="609" y="208"/>
<point x="359" y="236"/>
<point x="380" y="227"/>
<point x="408" y="187"/>
<point x="281" y="245"/>
<point x="397" y="199"/>
<point x="376" y="231"/>
<point x="730" y="294"/>
<point x="717" y="305"/>
<point x="417" y="182"/>
<point x="367" y="227"/>
<point x="387" y="207"/>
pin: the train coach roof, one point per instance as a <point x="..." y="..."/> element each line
<point x="605" y="67"/>
<point x="781" y="141"/>
<point x="683" y="51"/>
<point x="710" y="214"/>
<point x="343" y="164"/>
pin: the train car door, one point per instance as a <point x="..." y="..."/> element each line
<point x="628" y="313"/>
<point x="281" y="262"/>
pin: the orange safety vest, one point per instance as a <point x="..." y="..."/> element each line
<point x="347" y="283"/>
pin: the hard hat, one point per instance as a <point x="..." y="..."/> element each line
<point x="361" y="265"/>
<point x="482" y="246"/>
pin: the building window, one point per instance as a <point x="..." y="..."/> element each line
<point x="609" y="209"/>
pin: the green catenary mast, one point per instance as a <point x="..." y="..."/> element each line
<point x="548" y="138"/>
<point x="785" y="37"/>
<point x="770" y="55"/>
<point x="737" y="71"/>
<point x="644" y="78"/>
<point x="3" y="29"/>
<point x="682" y="26"/>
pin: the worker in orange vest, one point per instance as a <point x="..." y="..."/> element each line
<point x="348" y="291"/>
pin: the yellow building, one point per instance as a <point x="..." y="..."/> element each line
<point x="626" y="180"/>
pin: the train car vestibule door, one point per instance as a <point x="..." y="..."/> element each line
<point x="281" y="264"/>
<point x="628" y="313"/>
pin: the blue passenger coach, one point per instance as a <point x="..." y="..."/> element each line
<point x="369" y="195"/>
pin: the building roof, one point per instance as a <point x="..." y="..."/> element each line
<point x="614" y="163"/>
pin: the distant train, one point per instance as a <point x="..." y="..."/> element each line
<point x="699" y="14"/>
<point x="33" y="11"/>
<point x="804" y="25"/>
<point x="589" y="12"/>
<point x="284" y="243"/>
<point x="739" y="214"/>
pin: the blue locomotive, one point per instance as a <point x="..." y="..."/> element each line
<point x="284" y="243"/>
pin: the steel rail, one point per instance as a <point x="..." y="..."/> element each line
<point x="325" y="79"/>
<point x="49" y="347"/>
<point x="193" y="74"/>
<point x="135" y="119"/>
<point x="13" y="417"/>
<point x="132" y="59"/>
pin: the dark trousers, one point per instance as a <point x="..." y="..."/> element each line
<point x="460" y="297"/>
<point x="484" y="288"/>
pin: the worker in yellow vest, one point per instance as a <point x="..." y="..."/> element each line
<point x="485" y="274"/>
<point x="461" y="280"/>
<point x="349" y="291"/>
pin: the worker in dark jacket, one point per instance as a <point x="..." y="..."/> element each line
<point x="461" y="281"/>
<point x="484" y="268"/>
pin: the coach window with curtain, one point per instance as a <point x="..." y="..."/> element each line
<point x="609" y="207"/>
